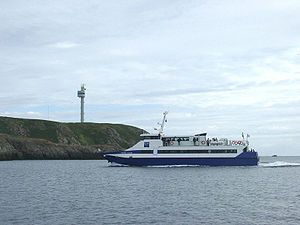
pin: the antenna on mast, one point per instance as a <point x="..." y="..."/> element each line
<point x="161" y="130"/>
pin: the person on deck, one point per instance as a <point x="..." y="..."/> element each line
<point x="179" y="139"/>
<point x="194" y="140"/>
<point x="168" y="142"/>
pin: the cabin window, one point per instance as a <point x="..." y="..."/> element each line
<point x="198" y="151"/>
<point x="151" y="137"/>
<point x="146" y="151"/>
<point x="176" y="138"/>
<point x="146" y="144"/>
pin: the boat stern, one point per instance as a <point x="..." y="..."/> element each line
<point x="249" y="158"/>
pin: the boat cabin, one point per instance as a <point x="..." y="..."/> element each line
<point x="195" y="140"/>
<point x="198" y="139"/>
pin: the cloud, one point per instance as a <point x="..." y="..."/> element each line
<point x="220" y="67"/>
<point x="64" y="45"/>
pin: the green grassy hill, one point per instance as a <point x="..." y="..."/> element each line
<point x="109" y="137"/>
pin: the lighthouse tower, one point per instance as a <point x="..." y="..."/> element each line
<point x="81" y="94"/>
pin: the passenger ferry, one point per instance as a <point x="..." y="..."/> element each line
<point x="190" y="150"/>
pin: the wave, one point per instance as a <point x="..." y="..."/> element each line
<point x="172" y="166"/>
<point x="279" y="164"/>
<point x="117" y="165"/>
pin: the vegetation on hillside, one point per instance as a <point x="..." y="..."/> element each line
<point x="112" y="136"/>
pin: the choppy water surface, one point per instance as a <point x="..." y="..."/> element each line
<point x="92" y="192"/>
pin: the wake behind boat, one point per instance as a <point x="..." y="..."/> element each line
<point x="161" y="150"/>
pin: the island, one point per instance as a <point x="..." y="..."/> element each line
<point x="29" y="139"/>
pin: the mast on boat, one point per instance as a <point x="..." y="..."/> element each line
<point x="162" y="124"/>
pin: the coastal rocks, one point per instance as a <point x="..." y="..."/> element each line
<point x="16" y="148"/>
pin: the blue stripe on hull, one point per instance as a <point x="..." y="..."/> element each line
<point x="244" y="159"/>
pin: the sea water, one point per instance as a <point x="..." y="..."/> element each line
<point x="93" y="192"/>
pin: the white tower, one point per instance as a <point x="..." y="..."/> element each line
<point x="81" y="94"/>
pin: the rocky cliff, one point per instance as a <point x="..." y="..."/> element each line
<point x="40" y="139"/>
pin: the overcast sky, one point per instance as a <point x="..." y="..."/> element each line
<point x="217" y="66"/>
